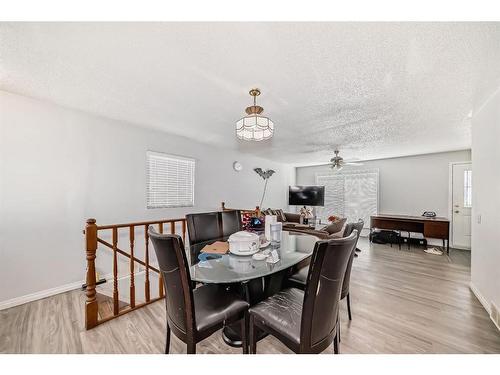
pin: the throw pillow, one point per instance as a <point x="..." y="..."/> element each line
<point x="280" y="215"/>
<point x="336" y="225"/>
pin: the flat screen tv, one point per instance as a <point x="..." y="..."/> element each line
<point x="306" y="196"/>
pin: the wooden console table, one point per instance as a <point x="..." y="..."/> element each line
<point x="431" y="227"/>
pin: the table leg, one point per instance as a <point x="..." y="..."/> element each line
<point x="253" y="291"/>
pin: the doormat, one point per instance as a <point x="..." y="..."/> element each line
<point x="433" y="251"/>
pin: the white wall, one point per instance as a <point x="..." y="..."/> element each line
<point x="407" y="185"/>
<point x="59" y="166"/>
<point x="485" y="262"/>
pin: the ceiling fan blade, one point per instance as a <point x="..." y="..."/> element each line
<point x="353" y="163"/>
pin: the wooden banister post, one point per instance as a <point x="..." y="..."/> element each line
<point x="184" y="231"/>
<point x="160" y="279"/>
<point x="147" y="289"/>
<point x="116" y="305"/>
<point x="223" y="205"/>
<point x="132" y="271"/>
<point x="91" y="308"/>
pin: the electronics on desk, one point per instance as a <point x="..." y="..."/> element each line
<point x="429" y="214"/>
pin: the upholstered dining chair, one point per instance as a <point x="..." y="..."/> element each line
<point x="298" y="279"/>
<point x="203" y="227"/>
<point x="207" y="226"/>
<point x="231" y="222"/>
<point x="307" y="321"/>
<point x="193" y="315"/>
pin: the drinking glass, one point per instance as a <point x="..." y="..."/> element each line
<point x="276" y="229"/>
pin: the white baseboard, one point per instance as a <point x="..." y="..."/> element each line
<point x="53" y="291"/>
<point x="39" y="295"/>
<point x="496" y="325"/>
<point x="480" y="297"/>
<point x="483" y="301"/>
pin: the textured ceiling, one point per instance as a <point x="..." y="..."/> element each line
<point x="372" y="89"/>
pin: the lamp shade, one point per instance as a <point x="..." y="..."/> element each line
<point x="254" y="126"/>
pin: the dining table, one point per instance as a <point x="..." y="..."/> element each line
<point x="254" y="279"/>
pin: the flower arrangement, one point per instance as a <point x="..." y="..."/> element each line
<point x="333" y="218"/>
<point x="306" y="212"/>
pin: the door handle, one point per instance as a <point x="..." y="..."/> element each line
<point x="457" y="211"/>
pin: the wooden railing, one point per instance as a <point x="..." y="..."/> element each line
<point x="243" y="211"/>
<point x="92" y="231"/>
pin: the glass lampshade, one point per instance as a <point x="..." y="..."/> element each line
<point x="254" y="128"/>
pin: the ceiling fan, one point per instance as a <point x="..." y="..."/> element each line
<point x="338" y="162"/>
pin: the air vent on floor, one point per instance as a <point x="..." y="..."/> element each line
<point x="495" y="315"/>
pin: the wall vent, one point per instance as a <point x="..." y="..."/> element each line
<point x="495" y="315"/>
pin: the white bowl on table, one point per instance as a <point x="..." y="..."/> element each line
<point x="244" y="243"/>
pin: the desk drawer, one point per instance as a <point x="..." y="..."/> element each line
<point x="408" y="226"/>
<point x="436" y="230"/>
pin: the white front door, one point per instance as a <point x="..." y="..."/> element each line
<point x="461" y="205"/>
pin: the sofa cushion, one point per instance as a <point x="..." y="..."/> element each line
<point x="336" y="226"/>
<point x="280" y="215"/>
<point x="292" y="218"/>
<point x="321" y="234"/>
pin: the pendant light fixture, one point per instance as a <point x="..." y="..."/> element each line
<point x="254" y="127"/>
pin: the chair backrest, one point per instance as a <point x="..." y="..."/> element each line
<point x="351" y="226"/>
<point x="204" y="227"/>
<point x="231" y="222"/>
<point x="347" y="278"/>
<point x="322" y="292"/>
<point x="174" y="269"/>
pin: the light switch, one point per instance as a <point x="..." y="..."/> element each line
<point x="479" y="219"/>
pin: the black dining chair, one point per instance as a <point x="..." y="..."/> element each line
<point x="202" y="227"/>
<point x="298" y="279"/>
<point x="207" y="226"/>
<point x="306" y="321"/>
<point x="194" y="314"/>
<point x="231" y="222"/>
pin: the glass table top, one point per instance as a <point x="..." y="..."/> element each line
<point x="230" y="268"/>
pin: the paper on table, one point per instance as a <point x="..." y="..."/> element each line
<point x="218" y="247"/>
<point x="273" y="257"/>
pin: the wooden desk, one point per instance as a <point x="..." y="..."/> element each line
<point x="431" y="227"/>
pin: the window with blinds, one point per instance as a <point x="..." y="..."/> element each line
<point x="170" y="180"/>
<point x="350" y="194"/>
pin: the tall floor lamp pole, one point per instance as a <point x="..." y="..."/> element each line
<point x="265" y="175"/>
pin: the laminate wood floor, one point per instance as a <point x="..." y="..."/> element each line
<point x="403" y="301"/>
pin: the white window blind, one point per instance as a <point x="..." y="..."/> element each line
<point x="170" y="180"/>
<point x="350" y="194"/>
